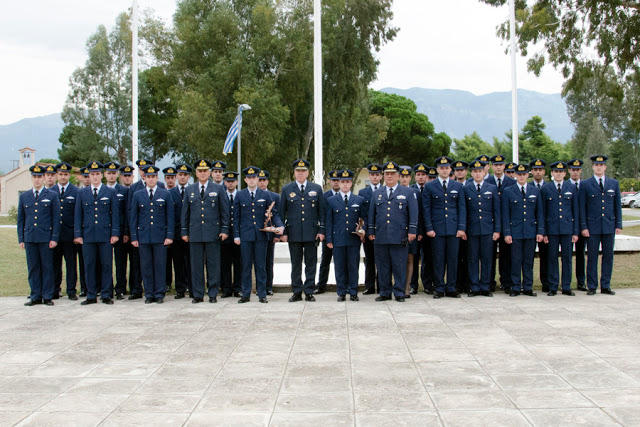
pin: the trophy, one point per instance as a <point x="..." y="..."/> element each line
<point x="359" y="228"/>
<point x="268" y="223"/>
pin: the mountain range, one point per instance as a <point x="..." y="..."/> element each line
<point x="455" y="112"/>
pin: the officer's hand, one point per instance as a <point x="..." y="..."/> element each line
<point x="362" y="239"/>
<point x="372" y="237"/>
<point x="431" y="233"/>
<point x="237" y="241"/>
<point x="135" y="244"/>
<point x="330" y="245"/>
<point x="618" y="230"/>
<point x="52" y="244"/>
<point x="546" y="239"/>
<point x="185" y="238"/>
<point x="223" y="236"/>
<point x="496" y="236"/>
<point x="167" y="242"/>
<point x="320" y="237"/>
<point x="508" y="240"/>
<point x="461" y="234"/>
<point x="280" y="231"/>
<point x="420" y="237"/>
<point x="539" y="238"/>
<point x="284" y="239"/>
<point x="574" y="239"/>
<point x="276" y="240"/>
<point x="125" y="239"/>
<point x="22" y="245"/>
<point x="411" y="237"/>
<point x="114" y="239"/>
<point x="585" y="233"/>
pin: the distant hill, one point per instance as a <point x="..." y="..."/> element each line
<point x="39" y="133"/>
<point x="459" y="113"/>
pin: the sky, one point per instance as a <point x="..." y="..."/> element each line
<point x="441" y="44"/>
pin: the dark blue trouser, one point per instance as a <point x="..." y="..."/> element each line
<point x="120" y="259"/>
<point x="40" y="266"/>
<point x="83" y="275"/>
<point x="504" y="263"/>
<point x="67" y="251"/>
<point x="581" y="244"/>
<point x="180" y="265"/>
<point x="325" y="266"/>
<point x="98" y="259"/>
<point x="522" y="254"/>
<point x="543" y="254"/>
<point x="480" y="261"/>
<point x="463" y="284"/>
<point x="298" y="250"/>
<point x="370" y="276"/>
<point x="391" y="260"/>
<point x="205" y="254"/>
<point x="135" y="277"/>
<point x="346" y="262"/>
<point x="271" y="249"/>
<point x="593" y="248"/>
<point x="445" y="257"/>
<point x="254" y="254"/>
<point x="153" y="268"/>
<point x="231" y="269"/>
<point x="555" y="242"/>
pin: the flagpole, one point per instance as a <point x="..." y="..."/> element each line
<point x="514" y="85"/>
<point x="317" y="90"/>
<point x="134" y="87"/>
<point x="239" y="158"/>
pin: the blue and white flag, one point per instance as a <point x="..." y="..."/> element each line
<point x="236" y="126"/>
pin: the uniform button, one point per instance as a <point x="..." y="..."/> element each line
<point x="602" y="214"/>
<point x="347" y="222"/>
<point x="387" y="221"/>
<point x="253" y="210"/>
<point x="525" y="220"/>
<point x="388" y="215"/>
<point x="151" y="223"/>
<point x="61" y="207"/>
<point x="202" y="215"/>
<point x="96" y="222"/>
<point x="480" y="217"/>
<point x="479" y="196"/>
<point x="560" y="203"/>
<point x="96" y="216"/>
<point x="388" y="209"/>
<point x="302" y="212"/>
<point x="34" y="224"/>
<point x="303" y="219"/>
<point x="446" y="216"/>
<point x="560" y="216"/>
<point x="524" y="206"/>
<point x="151" y="210"/>
<point x="479" y="203"/>
<point x="302" y="199"/>
<point x="35" y="217"/>
<point x="446" y="201"/>
<point x="203" y="222"/>
<point x="446" y="209"/>
<point x="347" y="215"/>
<point x="303" y="206"/>
<point x="525" y="213"/>
<point x="151" y="204"/>
<point x="36" y="210"/>
<point x="254" y="222"/>
<point x="603" y="207"/>
<point x="560" y="210"/>
<point x="152" y="218"/>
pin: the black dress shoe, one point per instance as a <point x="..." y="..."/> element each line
<point x="545" y="289"/>
<point x="149" y="300"/>
<point x="134" y="296"/>
<point x="83" y="294"/>
<point x="428" y="291"/>
<point x="354" y="298"/>
<point x="369" y="292"/>
<point x="473" y="294"/>
<point x="89" y="301"/>
<point x="226" y="294"/>
<point x="108" y="301"/>
<point x="47" y="302"/>
<point x="179" y="296"/>
<point x="237" y="294"/>
<point x="319" y="291"/>
<point x="196" y="300"/>
<point x="242" y="300"/>
<point x="269" y="292"/>
<point x="383" y="298"/>
<point x="400" y="299"/>
<point x="32" y="302"/>
<point x="159" y="300"/>
<point x="213" y="300"/>
<point x="570" y="293"/>
<point x="263" y="300"/>
<point x="453" y="295"/>
<point x="486" y="294"/>
<point x="514" y="293"/>
<point x="507" y="291"/>
<point x="73" y="297"/>
<point x="582" y="288"/>
<point x="413" y="291"/>
<point x="309" y="297"/>
<point x="120" y="296"/>
<point x="341" y="298"/>
<point x="552" y="293"/>
<point x="295" y="297"/>
<point x="56" y="296"/>
<point x="591" y="292"/>
<point x="607" y="291"/>
<point x="530" y="293"/>
<point x="438" y="295"/>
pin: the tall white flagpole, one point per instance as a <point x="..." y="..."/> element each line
<point x="514" y="84"/>
<point x="239" y="157"/>
<point x="134" y="87"/>
<point x="317" y="91"/>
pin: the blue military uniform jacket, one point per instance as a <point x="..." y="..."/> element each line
<point x="39" y="220"/>
<point x="97" y="219"/>
<point x="122" y="193"/>
<point x="276" y="197"/>
<point x="560" y="209"/>
<point x="506" y="182"/>
<point x="600" y="211"/>
<point x="367" y="193"/>
<point x="302" y="214"/>
<point x="177" y="209"/>
<point x="204" y="219"/>
<point x="484" y="213"/>
<point x="416" y="188"/>
<point x="249" y="216"/>
<point x="522" y="218"/>
<point x="342" y="219"/>
<point x="152" y="221"/>
<point x="67" y="210"/>
<point x="444" y="213"/>
<point x="390" y="220"/>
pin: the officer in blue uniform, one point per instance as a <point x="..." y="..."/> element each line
<point x="560" y="209"/>
<point x="263" y="183"/>
<point x="345" y="211"/>
<point x="126" y="181"/>
<point x="38" y="234"/>
<point x="152" y="230"/>
<point x="483" y="228"/>
<point x="84" y="182"/>
<point x="523" y="226"/>
<point x="327" y="253"/>
<point x="111" y="171"/>
<point x="231" y="268"/>
<point x="575" y="173"/>
<point x="420" y="172"/>
<point x="600" y="221"/>
<point x="169" y="174"/>
<point x="445" y="216"/>
<point x="406" y="173"/>
<point x="205" y="223"/>
<point x="217" y="172"/>
<point x="392" y="225"/>
<point x="538" y="171"/>
<point x="179" y="248"/>
<point x="428" y="279"/>
<point x="302" y="211"/>
<point x="463" y="283"/>
<point x="67" y="194"/>
<point x="510" y="170"/>
<point x="371" y="284"/>
<point x="97" y="228"/>
<point x="249" y="214"/>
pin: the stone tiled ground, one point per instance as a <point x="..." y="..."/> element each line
<point x="502" y="361"/>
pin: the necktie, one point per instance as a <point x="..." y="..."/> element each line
<point x="252" y="196"/>
<point x="478" y="188"/>
<point x="444" y="186"/>
<point x="231" y="199"/>
<point x="522" y="191"/>
<point x="346" y="200"/>
<point x="499" y="183"/>
<point x="421" y="188"/>
<point x="95" y="193"/>
<point x="538" y="186"/>
<point x="202" y="191"/>
<point x="62" y="193"/>
<point x="601" y="186"/>
<point x="302" y="188"/>
<point x="390" y="192"/>
<point x="37" y="193"/>
<point x="151" y="195"/>
<point x="559" y="189"/>
<point x="577" y="186"/>
<point x="375" y="187"/>
<point x="182" y="192"/>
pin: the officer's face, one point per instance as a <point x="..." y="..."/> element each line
<point x="335" y="184"/>
<point x="345" y="185"/>
<point x="95" y="177"/>
<point x="203" y="175"/>
<point x="498" y="169"/>
<point x="263" y="184"/>
<point x="405" y="180"/>
<point x="538" y="173"/>
<point x="460" y="173"/>
<point x="444" y="171"/>
<point x="126" y="180"/>
<point x="49" y="179"/>
<point x="231" y="185"/>
<point x="38" y="181"/>
<point x="170" y="180"/>
<point x="431" y="178"/>
<point x="151" y="180"/>
<point x="391" y="179"/>
<point x="522" y="178"/>
<point x="575" y="174"/>
<point x="599" y="169"/>
<point x="111" y="176"/>
<point x="301" y="174"/>
<point x="558" y="175"/>
<point x="510" y="174"/>
<point x="375" y="178"/>
<point x="216" y="175"/>
<point x="486" y="169"/>
<point x="183" y="178"/>
<point x="477" y="175"/>
<point x="421" y="178"/>
<point x="252" y="181"/>
<point x="63" y="177"/>
<point x="85" y="180"/>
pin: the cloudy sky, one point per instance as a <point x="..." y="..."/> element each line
<point x="441" y="44"/>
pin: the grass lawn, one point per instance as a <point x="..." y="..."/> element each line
<point x="630" y="218"/>
<point x="5" y="220"/>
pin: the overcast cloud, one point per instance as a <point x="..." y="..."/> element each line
<point x="441" y="44"/>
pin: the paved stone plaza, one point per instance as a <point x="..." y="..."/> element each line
<point x="472" y="361"/>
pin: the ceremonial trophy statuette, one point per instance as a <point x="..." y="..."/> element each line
<point x="268" y="223"/>
<point x="359" y="228"/>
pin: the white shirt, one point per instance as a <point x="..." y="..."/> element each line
<point x="112" y="186"/>
<point x="335" y="192"/>
<point x="374" y="187"/>
<point x="151" y="189"/>
<point x="475" y="184"/>
<point x="39" y="191"/>
<point x="202" y="187"/>
<point x="541" y="184"/>
<point x="443" y="180"/>
<point x="234" y="194"/>
<point x="305" y="183"/>
<point x="499" y="181"/>
<point x="575" y="182"/>
<point x="520" y="187"/>
<point x="63" y="187"/>
<point x="395" y="187"/>
<point x="598" y="178"/>
<point x="344" y="194"/>
<point x="99" y="187"/>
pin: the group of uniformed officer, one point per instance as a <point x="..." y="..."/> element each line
<point x="210" y="233"/>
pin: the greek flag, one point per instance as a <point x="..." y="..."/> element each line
<point x="236" y="126"/>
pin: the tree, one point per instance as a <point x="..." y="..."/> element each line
<point x="535" y="143"/>
<point x="156" y="112"/>
<point x="472" y="146"/>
